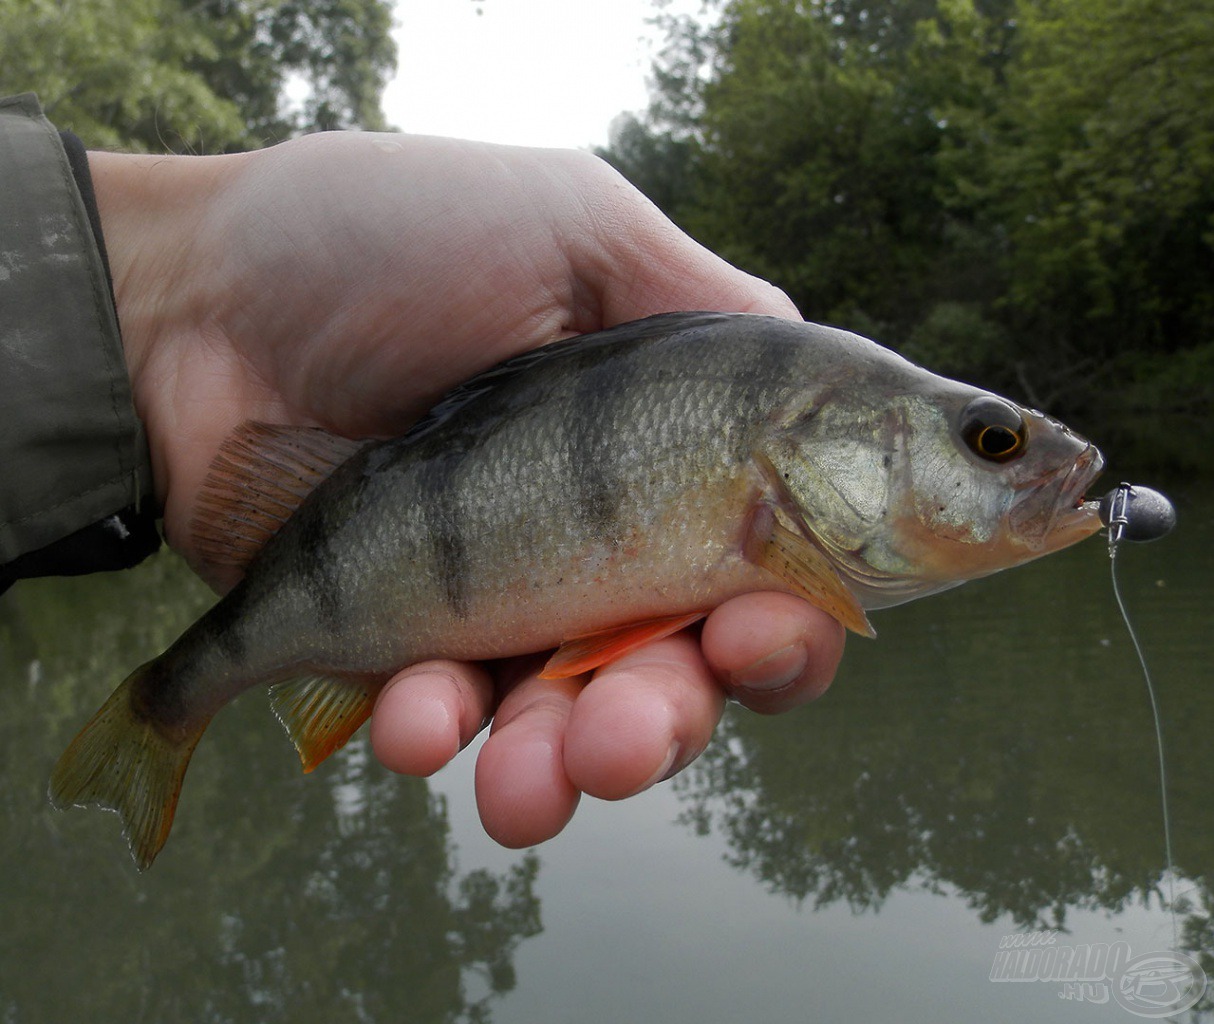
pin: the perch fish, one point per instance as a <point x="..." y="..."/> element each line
<point x="588" y="496"/>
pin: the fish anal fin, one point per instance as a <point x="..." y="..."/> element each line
<point x="585" y="653"/>
<point x="257" y="479"/>
<point x="321" y="713"/>
<point x="122" y="762"/>
<point x="798" y="562"/>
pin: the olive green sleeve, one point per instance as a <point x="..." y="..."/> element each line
<point x="72" y="448"/>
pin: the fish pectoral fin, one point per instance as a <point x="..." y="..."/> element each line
<point x="798" y="562"/>
<point x="321" y="713"/>
<point x="256" y="481"/>
<point x="123" y="762"/>
<point x="585" y="653"/>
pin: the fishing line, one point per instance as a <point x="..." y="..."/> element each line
<point x="1163" y="776"/>
<point x="1115" y="511"/>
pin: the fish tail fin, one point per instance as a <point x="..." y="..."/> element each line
<point x="123" y="762"/>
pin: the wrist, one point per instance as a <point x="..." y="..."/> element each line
<point x="157" y="213"/>
<point x="153" y="210"/>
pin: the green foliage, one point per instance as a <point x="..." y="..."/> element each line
<point x="661" y="166"/>
<point x="1114" y="136"/>
<point x="807" y="170"/>
<point x="114" y="70"/>
<point x="1020" y="192"/>
<point x="175" y="75"/>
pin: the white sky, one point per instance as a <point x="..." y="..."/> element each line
<point x="529" y="72"/>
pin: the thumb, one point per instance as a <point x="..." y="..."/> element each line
<point x="641" y="263"/>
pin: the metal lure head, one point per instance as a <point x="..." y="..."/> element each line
<point x="1134" y="512"/>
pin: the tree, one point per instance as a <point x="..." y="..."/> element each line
<point x="1015" y="192"/>
<point x="1106" y="183"/>
<point x="209" y="76"/>
<point x="811" y="144"/>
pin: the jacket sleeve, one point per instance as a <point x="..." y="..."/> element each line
<point x="75" y="478"/>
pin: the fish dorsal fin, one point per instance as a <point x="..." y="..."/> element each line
<point x="257" y="479"/>
<point x="785" y="553"/>
<point x="584" y="653"/>
<point x="320" y="713"/>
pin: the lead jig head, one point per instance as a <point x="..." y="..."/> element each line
<point x="1134" y="512"/>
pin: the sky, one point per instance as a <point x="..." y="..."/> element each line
<point x="526" y="72"/>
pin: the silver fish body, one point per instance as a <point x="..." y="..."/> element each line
<point x="644" y="473"/>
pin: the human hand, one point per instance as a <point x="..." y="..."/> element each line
<point x="346" y="281"/>
<point x="637" y="721"/>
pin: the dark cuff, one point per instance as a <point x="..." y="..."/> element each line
<point x="117" y="542"/>
<point x="76" y="482"/>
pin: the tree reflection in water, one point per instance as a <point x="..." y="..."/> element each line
<point x="334" y="897"/>
<point x="995" y="743"/>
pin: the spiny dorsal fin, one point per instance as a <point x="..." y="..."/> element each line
<point x="585" y="653"/>
<point x="256" y="481"/>
<point x="320" y="713"/>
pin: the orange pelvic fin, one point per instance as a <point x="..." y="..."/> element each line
<point x="584" y="653"/>
<point x="320" y="714"/>
<point x="256" y="480"/>
<point x="122" y="762"/>
<point x="801" y="564"/>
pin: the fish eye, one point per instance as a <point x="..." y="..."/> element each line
<point x="993" y="429"/>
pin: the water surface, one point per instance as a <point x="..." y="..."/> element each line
<point x="986" y="767"/>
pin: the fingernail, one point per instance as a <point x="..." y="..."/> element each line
<point x="667" y="768"/>
<point x="679" y="761"/>
<point x="775" y="672"/>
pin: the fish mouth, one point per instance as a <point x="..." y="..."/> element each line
<point x="1055" y="512"/>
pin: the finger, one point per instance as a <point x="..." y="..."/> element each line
<point x="772" y="651"/>
<point x="642" y="719"/>
<point x="704" y="281"/>
<point x="522" y="791"/>
<point x="429" y="712"/>
<point x="636" y="275"/>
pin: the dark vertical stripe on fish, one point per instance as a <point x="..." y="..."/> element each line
<point x="759" y="376"/>
<point x="438" y="503"/>
<point x="156" y="698"/>
<point x="321" y="580"/>
<point x="595" y="484"/>
<point x="768" y="367"/>
<point x="225" y="626"/>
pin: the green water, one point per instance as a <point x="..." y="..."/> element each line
<point x="986" y="766"/>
